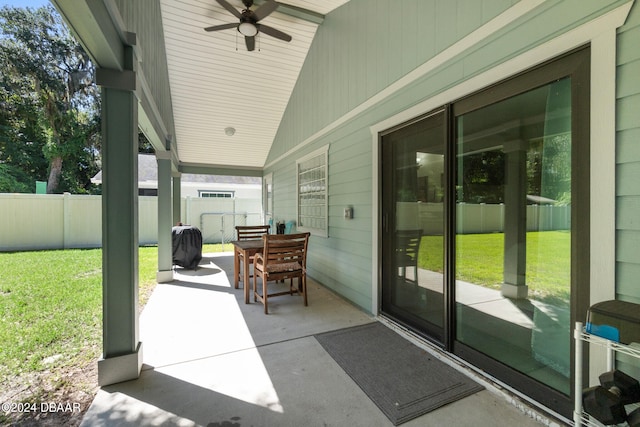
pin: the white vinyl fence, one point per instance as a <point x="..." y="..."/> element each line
<point x="479" y="218"/>
<point x="60" y="221"/>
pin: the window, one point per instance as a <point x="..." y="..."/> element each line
<point x="312" y="193"/>
<point x="217" y="194"/>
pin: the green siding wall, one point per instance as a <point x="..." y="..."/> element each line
<point x="628" y="159"/>
<point x="361" y="49"/>
<point x="364" y="46"/>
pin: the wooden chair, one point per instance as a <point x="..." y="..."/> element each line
<point x="249" y="232"/>
<point x="407" y="249"/>
<point x="284" y="256"/>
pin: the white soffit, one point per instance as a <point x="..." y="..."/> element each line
<point x="216" y="83"/>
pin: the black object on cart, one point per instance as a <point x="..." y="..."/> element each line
<point x="187" y="246"/>
<point x="618" y="321"/>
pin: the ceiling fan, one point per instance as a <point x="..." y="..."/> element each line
<point x="249" y="25"/>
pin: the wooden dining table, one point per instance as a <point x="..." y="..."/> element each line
<point x="246" y="249"/>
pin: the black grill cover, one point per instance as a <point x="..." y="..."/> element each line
<point x="187" y="246"/>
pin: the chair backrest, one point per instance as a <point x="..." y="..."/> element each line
<point x="251" y="232"/>
<point x="284" y="249"/>
<point x="408" y="242"/>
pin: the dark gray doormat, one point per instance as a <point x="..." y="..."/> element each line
<point x="403" y="380"/>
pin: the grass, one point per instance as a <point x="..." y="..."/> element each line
<point x="51" y="318"/>
<point x="480" y="257"/>
<point x="45" y="297"/>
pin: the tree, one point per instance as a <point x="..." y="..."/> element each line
<point x="483" y="178"/>
<point x="144" y="145"/>
<point x="50" y="102"/>
<point x="21" y="138"/>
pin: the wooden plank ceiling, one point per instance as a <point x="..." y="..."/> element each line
<point x="216" y="83"/>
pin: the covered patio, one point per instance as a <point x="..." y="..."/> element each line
<point x="212" y="360"/>
<point x="321" y="105"/>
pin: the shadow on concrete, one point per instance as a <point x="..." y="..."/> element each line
<point x="212" y="360"/>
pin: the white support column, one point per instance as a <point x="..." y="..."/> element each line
<point x="515" y="221"/>
<point x="122" y="349"/>
<point x="165" y="218"/>
<point x="177" y="197"/>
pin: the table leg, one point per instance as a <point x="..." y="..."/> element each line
<point x="246" y="281"/>
<point x="236" y="268"/>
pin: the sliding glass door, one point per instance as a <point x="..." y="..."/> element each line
<point x="413" y="210"/>
<point x="485" y="226"/>
<point x="522" y="226"/>
<point x="513" y="232"/>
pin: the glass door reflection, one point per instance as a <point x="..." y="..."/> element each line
<point x="513" y="232"/>
<point x="413" y="196"/>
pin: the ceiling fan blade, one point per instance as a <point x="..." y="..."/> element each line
<point x="230" y="8"/>
<point x="221" y="27"/>
<point x="274" y="33"/>
<point x="251" y="43"/>
<point x="265" y="9"/>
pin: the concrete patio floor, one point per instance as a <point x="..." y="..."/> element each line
<point x="211" y="360"/>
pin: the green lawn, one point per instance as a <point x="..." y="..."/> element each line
<point x="51" y="309"/>
<point x="480" y="257"/>
<point x="51" y="305"/>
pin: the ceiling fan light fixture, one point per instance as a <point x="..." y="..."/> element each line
<point x="249" y="22"/>
<point x="247" y="29"/>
